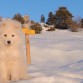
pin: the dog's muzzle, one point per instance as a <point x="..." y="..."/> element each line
<point x="8" y="42"/>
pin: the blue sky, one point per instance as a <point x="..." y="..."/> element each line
<point x="34" y="8"/>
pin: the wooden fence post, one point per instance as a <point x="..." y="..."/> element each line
<point x="28" y="32"/>
<point x="28" y="56"/>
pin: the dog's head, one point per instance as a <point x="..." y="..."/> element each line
<point x="9" y="38"/>
<point x="10" y="32"/>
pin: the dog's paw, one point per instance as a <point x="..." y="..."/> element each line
<point x="4" y="80"/>
<point x="14" y="79"/>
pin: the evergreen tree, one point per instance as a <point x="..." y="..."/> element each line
<point x="19" y="18"/>
<point x="63" y="18"/>
<point x="51" y="19"/>
<point x="82" y="23"/>
<point x="42" y="19"/>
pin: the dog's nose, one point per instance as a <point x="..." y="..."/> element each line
<point x="9" y="42"/>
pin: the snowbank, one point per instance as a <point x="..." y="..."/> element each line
<point x="57" y="57"/>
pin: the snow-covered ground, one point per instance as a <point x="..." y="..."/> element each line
<point x="57" y="57"/>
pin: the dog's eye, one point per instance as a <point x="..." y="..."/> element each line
<point x="5" y="35"/>
<point x="13" y="35"/>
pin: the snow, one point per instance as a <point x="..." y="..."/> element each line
<point x="57" y="57"/>
<point x="43" y="27"/>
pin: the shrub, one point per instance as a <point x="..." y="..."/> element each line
<point x="37" y="27"/>
<point x="74" y="27"/>
<point x="0" y="18"/>
<point x="46" y="26"/>
<point x="51" y="29"/>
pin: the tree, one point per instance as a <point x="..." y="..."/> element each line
<point x="42" y="19"/>
<point x="63" y="18"/>
<point x="82" y="23"/>
<point x="19" y="18"/>
<point x="51" y="19"/>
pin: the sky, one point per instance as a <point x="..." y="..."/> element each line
<point x="35" y="8"/>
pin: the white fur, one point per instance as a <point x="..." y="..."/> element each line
<point x="12" y="62"/>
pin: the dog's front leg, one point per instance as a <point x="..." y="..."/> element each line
<point x="3" y="73"/>
<point x="15" y="72"/>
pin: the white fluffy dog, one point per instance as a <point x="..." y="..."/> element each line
<point x="12" y="62"/>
